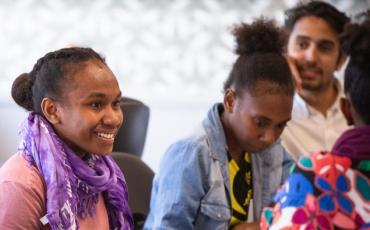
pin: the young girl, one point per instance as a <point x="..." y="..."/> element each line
<point x="331" y="190"/>
<point x="63" y="176"/>
<point x="209" y="179"/>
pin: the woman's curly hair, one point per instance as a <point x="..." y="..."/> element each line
<point x="260" y="46"/>
<point x="355" y="42"/>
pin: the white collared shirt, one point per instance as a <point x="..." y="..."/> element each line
<point x="309" y="131"/>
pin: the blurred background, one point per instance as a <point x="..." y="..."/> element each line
<point x="173" y="55"/>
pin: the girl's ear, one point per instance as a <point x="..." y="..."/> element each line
<point x="345" y="106"/>
<point x="229" y="100"/>
<point x="50" y="110"/>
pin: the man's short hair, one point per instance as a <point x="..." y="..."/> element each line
<point x="329" y="13"/>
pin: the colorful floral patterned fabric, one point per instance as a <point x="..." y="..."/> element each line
<point x="324" y="191"/>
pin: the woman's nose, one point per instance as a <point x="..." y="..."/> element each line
<point x="113" y="116"/>
<point x="268" y="137"/>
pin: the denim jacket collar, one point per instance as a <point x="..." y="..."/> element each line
<point x="216" y="133"/>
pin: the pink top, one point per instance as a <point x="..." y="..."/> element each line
<point x="23" y="199"/>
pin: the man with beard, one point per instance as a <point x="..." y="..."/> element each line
<point x="314" y="54"/>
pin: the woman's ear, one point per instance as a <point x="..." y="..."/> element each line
<point x="50" y="110"/>
<point x="229" y="100"/>
<point x="345" y="106"/>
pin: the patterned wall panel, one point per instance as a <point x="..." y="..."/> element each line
<point x="159" y="50"/>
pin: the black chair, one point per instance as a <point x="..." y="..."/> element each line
<point x="132" y="134"/>
<point x="139" y="179"/>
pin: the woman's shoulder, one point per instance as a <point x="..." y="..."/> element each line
<point x="23" y="194"/>
<point x="18" y="172"/>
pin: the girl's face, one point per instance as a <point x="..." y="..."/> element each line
<point x="257" y="121"/>
<point x="90" y="114"/>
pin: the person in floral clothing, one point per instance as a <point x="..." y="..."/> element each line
<point x="331" y="190"/>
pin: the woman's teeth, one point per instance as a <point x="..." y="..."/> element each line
<point x="106" y="135"/>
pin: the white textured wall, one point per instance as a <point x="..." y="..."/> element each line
<point x="172" y="55"/>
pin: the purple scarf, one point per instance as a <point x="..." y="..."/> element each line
<point x="73" y="184"/>
<point x="354" y="143"/>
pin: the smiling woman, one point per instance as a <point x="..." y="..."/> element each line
<point x="73" y="99"/>
<point x="92" y="116"/>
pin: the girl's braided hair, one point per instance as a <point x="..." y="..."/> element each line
<point x="50" y="76"/>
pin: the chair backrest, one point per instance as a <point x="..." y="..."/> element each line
<point x="132" y="134"/>
<point x="139" y="179"/>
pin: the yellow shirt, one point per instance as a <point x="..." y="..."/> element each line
<point x="240" y="189"/>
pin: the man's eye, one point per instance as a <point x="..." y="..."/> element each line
<point x="302" y="45"/>
<point x="326" y="48"/>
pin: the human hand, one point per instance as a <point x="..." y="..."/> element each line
<point x="296" y="77"/>
<point x="248" y="226"/>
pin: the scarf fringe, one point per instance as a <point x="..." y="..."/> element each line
<point x="29" y="157"/>
<point x="87" y="206"/>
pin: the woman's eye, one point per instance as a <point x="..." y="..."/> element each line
<point x="117" y="103"/>
<point x="259" y="123"/>
<point x="96" y="104"/>
<point x="283" y="125"/>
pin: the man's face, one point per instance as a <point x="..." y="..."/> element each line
<point x="314" y="46"/>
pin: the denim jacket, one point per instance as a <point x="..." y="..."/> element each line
<point x="192" y="188"/>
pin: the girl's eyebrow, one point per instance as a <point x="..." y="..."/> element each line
<point x="96" y="95"/>
<point x="266" y="119"/>
<point x="101" y="95"/>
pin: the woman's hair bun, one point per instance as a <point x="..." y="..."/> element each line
<point x="261" y="36"/>
<point x="22" y="92"/>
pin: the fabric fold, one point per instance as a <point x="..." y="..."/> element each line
<point x="354" y="143"/>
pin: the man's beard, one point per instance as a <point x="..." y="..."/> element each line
<point x="317" y="87"/>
